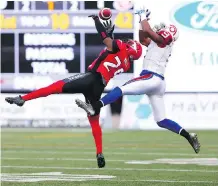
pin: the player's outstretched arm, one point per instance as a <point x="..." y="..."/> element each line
<point x="151" y="34"/>
<point x="145" y="30"/>
<point x="143" y="38"/>
<point x="103" y="33"/>
<point x="161" y="38"/>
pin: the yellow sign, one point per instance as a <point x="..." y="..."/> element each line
<point x="50" y="5"/>
<point x="124" y="20"/>
<point x="8" y="23"/>
<point x="60" y="21"/>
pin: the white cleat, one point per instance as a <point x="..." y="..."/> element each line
<point x="85" y="106"/>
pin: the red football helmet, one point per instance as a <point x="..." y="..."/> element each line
<point x="134" y="49"/>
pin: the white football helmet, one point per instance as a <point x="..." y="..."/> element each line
<point x="159" y="27"/>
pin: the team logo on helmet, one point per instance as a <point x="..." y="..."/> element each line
<point x="174" y="32"/>
<point x="134" y="49"/>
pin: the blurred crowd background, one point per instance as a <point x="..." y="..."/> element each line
<point x="44" y="41"/>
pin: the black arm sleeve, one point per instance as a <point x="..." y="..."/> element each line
<point x="100" y="28"/>
<point x="115" y="46"/>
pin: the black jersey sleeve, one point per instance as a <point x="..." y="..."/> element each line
<point x="115" y="45"/>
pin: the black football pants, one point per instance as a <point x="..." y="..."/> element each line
<point x="89" y="84"/>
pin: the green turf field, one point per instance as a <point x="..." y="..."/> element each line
<point x="67" y="157"/>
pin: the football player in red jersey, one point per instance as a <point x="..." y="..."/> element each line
<point x="115" y="59"/>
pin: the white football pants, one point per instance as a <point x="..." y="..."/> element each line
<point x="153" y="87"/>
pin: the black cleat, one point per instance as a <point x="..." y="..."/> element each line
<point x="16" y="100"/>
<point x="100" y="160"/>
<point x="194" y="142"/>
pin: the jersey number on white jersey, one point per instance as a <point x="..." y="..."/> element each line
<point x="165" y="34"/>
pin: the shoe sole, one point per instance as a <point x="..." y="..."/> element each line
<point x="82" y="105"/>
<point x="195" y="138"/>
<point x="9" y="100"/>
<point x="101" y="162"/>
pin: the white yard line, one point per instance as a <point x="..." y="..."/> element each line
<point x="164" y="181"/>
<point x="61" y="159"/>
<point x="114" y="169"/>
<point x="115" y="153"/>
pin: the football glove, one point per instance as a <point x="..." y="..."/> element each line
<point x="143" y="13"/>
<point x="109" y="27"/>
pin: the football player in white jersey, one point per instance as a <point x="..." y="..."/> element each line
<point x="159" y="41"/>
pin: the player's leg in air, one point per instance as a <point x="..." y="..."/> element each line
<point x="93" y="95"/>
<point x="55" y="88"/>
<point x="61" y="86"/>
<point x="154" y="87"/>
<point x="89" y="84"/>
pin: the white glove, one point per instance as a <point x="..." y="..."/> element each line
<point x="143" y="13"/>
